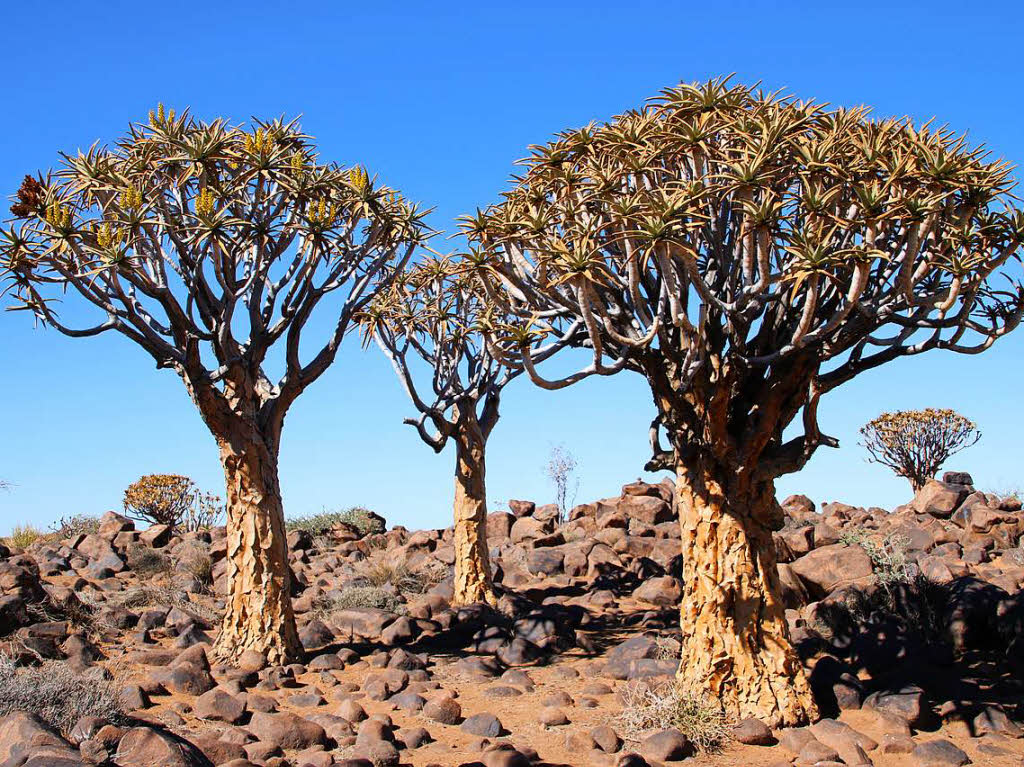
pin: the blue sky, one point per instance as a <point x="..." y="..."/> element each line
<point x="440" y="99"/>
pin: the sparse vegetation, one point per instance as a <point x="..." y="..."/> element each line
<point x="73" y="526"/>
<point x="360" y="596"/>
<point x="358" y="518"/>
<point x="193" y="557"/>
<point x="888" y="556"/>
<point x="162" y="595"/>
<point x="23" y="536"/>
<point x="915" y="443"/>
<point x="560" y="469"/>
<point x="57" y="694"/>
<point x="381" y="570"/>
<point x="146" y="561"/>
<point x="648" y="707"/>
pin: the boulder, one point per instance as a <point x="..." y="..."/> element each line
<point x="23" y="734"/>
<point x="146" y="747"/>
<point x="829" y="567"/>
<point x="939" y="499"/>
<point x="286" y="730"/>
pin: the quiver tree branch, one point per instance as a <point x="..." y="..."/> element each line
<point x="208" y="245"/>
<point x="747" y="253"/>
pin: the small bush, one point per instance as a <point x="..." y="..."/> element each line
<point x="360" y="596"/>
<point x="23" y="536"/>
<point x="72" y="527"/>
<point x="651" y="707"/>
<point x="888" y="557"/>
<point x="146" y="561"/>
<point x="358" y="518"/>
<point x="56" y="694"/>
<point x="194" y="559"/>
<point x="382" y="570"/>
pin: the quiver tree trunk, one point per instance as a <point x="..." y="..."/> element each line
<point x="259" y="612"/>
<point x="735" y="641"/>
<point x="472" y="563"/>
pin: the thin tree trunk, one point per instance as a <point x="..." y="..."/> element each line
<point x="735" y="641"/>
<point x="259" y="612"/>
<point x="472" y="563"/>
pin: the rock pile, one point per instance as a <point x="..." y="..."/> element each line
<point x="910" y="622"/>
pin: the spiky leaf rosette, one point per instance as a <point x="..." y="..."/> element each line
<point x="747" y="252"/>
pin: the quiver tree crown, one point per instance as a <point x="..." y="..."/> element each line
<point x="206" y="243"/>
<point x="915" y="443"/>
<point x="432" y="317"/>
<point x="748" y="252"/>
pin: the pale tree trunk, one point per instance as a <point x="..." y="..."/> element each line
<point x="472" y="563"/>
<point x="259" y="612"/>
<point x="735" y="641"/>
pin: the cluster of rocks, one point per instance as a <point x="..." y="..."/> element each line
<point x="587" y="606"/>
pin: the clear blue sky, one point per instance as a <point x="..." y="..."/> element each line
<point x="440" y="99"/>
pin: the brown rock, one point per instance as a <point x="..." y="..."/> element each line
<point x="286" y="730"/>
<point x="146" y="747"/>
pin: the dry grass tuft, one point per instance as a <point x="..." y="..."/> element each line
<point x="381" y="570"/>
<point x="650" y="707"/>
<point x="23" y="536"/>
<point x="146" y="561"/>
<point x="161" y="595"/>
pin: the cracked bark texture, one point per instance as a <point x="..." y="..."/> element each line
<point x="259" y="612"/>
<point x="472" y="563"/>
<point x="735" y="640"/>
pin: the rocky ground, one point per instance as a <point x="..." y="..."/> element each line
<point x="910" y="623"/>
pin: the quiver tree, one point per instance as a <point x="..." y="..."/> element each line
<point x="747" y="253"/>
<point x="915" y="443"/>
<point x="430" y="321"/>
<point x="209" y="245"/>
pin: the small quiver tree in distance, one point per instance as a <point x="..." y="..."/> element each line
<point x="748" y="253"/>
<point x="915" y="443"/>
<point x="431" y="319"/>
<point x="173" y="500"/>
<point x="210" y="245"/>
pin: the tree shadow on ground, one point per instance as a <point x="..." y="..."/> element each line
<point x="948" y="641"/>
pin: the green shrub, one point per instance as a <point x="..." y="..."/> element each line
<point x="23" y="536"/>
<point x="356" y="517"/>
<point x="57" y="695"/>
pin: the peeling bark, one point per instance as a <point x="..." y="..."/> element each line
<point x="472" y="563"/>
<point x="735" y="641"/>
<point x="259" y="612"/>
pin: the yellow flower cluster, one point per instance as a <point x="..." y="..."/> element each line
<point x="131" y="199"/>
<point x="58" y="215"/>
<point x="359" y="179"/>
<point x="322" y="215"/>
<point x="160" y="116"/>
<point x="205" y="203"/>
<point x="259" y="142"/>
<point x="108" y="235"/>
